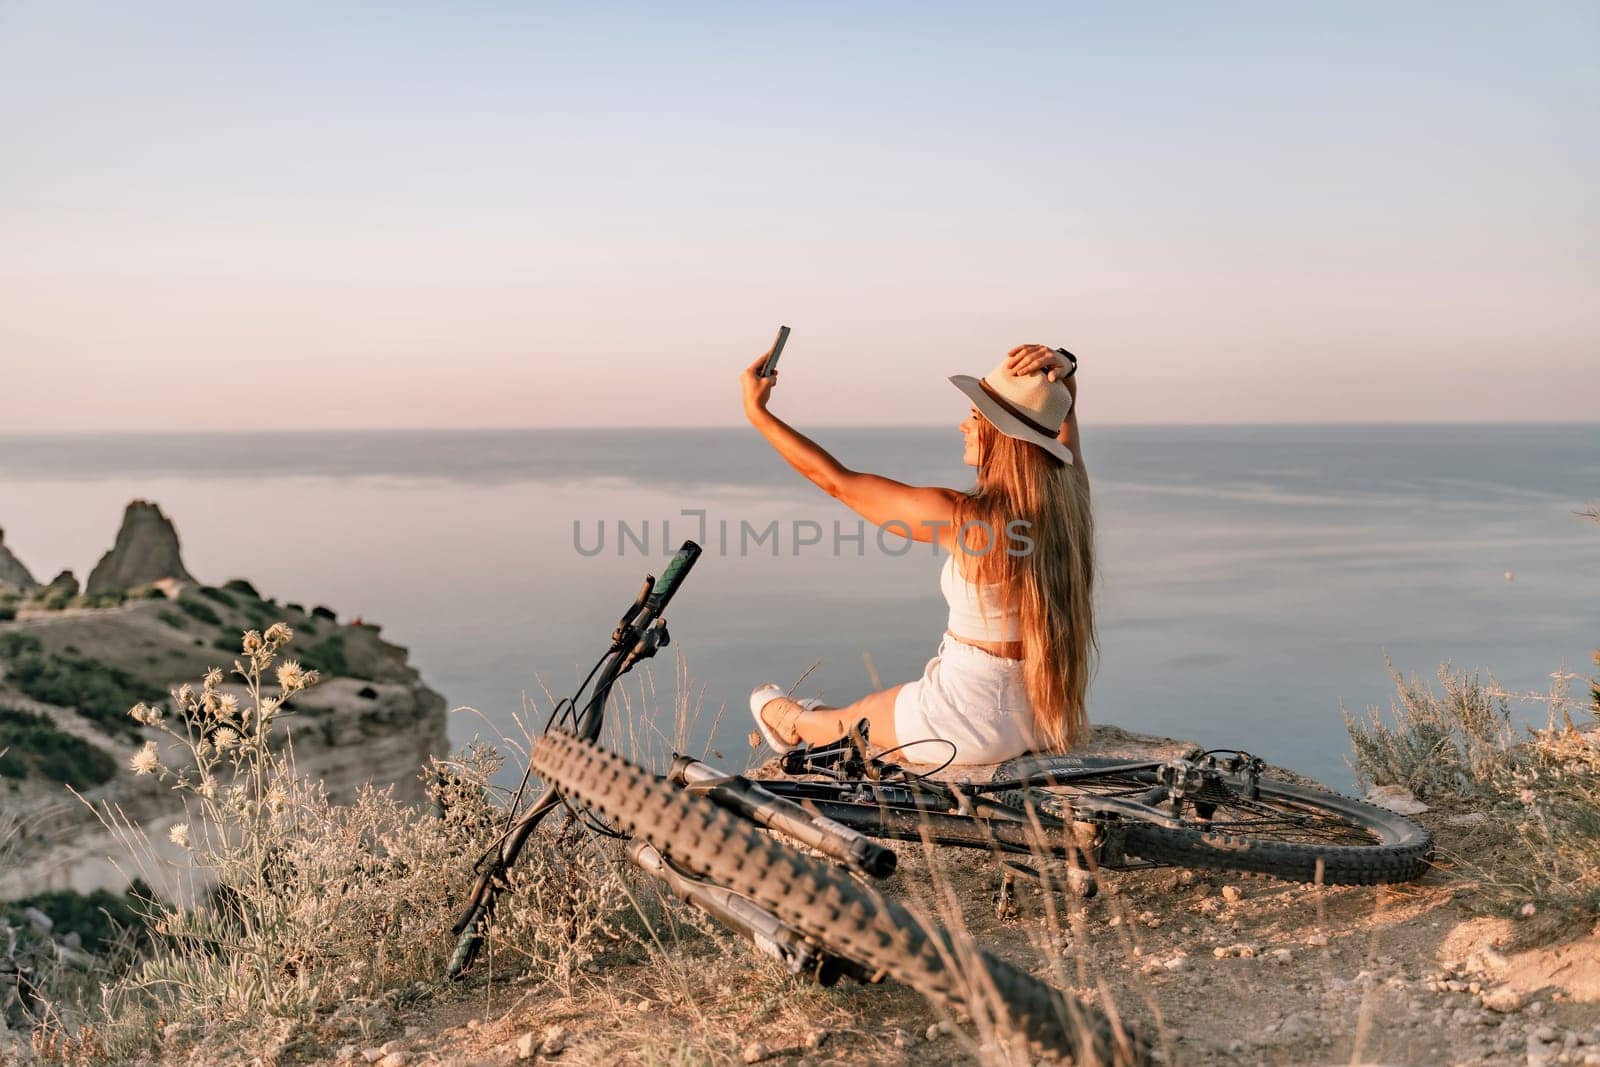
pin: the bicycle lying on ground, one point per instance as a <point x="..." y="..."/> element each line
<point x="699" y="830"/>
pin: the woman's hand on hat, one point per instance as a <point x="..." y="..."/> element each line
<point x="756" y="388"/>
<point x="1030" y="359"/>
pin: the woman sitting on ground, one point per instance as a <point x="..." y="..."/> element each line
<point x="1011" y="670"/>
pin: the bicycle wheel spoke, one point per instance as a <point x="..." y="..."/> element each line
<point x="1287" y="823"/>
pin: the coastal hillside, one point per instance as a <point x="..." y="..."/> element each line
<point x="72" y="662"/>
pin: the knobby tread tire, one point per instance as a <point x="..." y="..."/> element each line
<point x="821" y="901"/>
<point x="1402" y="852"/>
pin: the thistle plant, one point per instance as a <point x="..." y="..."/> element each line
<point x="230" y="776"/>
<point x="285" y="907"/>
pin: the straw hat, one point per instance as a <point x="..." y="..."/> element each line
<point x="1030" y="408"/>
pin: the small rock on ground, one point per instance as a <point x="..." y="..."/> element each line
<point x="755" y="1052"/>
<point x="1504" y="1000"/>
<point x="554" y="1041"/>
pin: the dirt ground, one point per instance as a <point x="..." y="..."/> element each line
<point x="1215" y="968"/>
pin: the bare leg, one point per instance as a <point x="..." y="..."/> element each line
<point x="820" y="725"/>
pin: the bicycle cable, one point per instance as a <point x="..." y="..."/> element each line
<point x="908" y="775"/>
<point x="571" y="704"/>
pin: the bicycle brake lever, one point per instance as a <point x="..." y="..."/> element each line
<point x="633" y="610"/>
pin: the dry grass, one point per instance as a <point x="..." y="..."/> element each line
<point x="296" y="924"/>
<point x="1539" y="787"/>
<point x="289" y="907"/>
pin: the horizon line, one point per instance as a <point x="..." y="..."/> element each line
<point x="353" y="431"/>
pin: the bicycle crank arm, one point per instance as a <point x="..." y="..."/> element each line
<point x="738" y="793"/>
<point x="749" y="920"/>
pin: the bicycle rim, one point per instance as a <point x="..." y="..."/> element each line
<point x="1294" y="832"/>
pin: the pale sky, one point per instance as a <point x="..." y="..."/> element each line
<point x="288" y="215"/>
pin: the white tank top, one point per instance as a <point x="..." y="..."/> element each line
<point x="977" y="611"/>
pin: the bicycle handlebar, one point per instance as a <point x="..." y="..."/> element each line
<point x="672" y="577"/>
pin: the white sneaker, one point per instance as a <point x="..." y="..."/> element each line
<point x="760" y="697"/>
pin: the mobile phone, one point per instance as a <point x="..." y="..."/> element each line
<point x="771" y="365"/>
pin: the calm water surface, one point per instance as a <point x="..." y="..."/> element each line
<point x="1253" y="577"/>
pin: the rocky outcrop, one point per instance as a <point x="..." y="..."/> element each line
<point x="13" y="575"/>
<point x="146" y="552"/>
<point x="64" y="585"/>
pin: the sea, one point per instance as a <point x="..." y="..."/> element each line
<point x="1256" y="582"/>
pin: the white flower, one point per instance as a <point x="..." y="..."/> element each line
<point x="213" y="677"/>
<point x="145" y="761"/>
<point x="1527" y="796"/>
<point x="277" y="798"/>
<point x="291" y="676"/>
<point x="144" y="714"/>
<point x="179" y="834"/>
<point x="225" y="738"/>
<point x="227" y="705"/>
<point x="279" y="634"/>
<point x="207" y="787"/>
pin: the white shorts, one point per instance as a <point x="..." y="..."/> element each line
<point x="975" y="700"/>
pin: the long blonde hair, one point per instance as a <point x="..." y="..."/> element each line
<point x="1050" y="585"/>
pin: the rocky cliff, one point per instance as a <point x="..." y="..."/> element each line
<point x="146" y="552"/>
<point x="13" y="575"/>
<point x="68" y="675"/>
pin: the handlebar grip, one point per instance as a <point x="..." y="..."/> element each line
<point x="673" y="577"/>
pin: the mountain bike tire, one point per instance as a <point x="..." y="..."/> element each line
<point x="1399" y="849"/>
<point x="823" y="902"/>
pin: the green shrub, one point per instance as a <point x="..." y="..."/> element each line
<point x="96" y="917"/>
<point x="16" y="644"/>
<point x="8" y="612"/>
<point x="100" y="693"/>
<point x="34" y="743"/>
<point x="172" y="619"/>
<point x="151" y="592"/>
<point x="53" y="598"/>
<point x="297" y="608"/>
<point x="324" y="613"/>
<point x="109" y="598"/>
<point x="239" y="585"/>
<point x="328" y="656"/>
<point x="195" y="609"/>
<point x="218" y="595"/>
